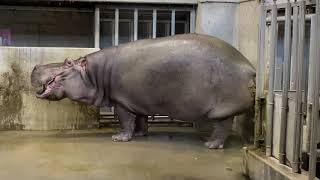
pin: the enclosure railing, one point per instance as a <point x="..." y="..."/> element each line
<point x="292" y="106"/>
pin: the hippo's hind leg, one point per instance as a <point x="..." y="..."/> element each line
<point x="220" y="133"/>
<point x="141" y="128"/>
<point x="127" y="122"/>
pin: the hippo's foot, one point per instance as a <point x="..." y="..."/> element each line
<point x="122" y="137"/>
<point x="221" y="132"/>
<point x="215" y="144"/>
<point x="140" y="133"/>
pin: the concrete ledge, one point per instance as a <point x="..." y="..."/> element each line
<point x="259" y="167"/>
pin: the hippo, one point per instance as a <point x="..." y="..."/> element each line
<point x="189" y="77"/>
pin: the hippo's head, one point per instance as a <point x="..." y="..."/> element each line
<point x="60" y="80"/>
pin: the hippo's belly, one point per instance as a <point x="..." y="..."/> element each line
<point x="183" y="88"/>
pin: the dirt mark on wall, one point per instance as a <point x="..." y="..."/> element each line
<point x="12" y="83"/>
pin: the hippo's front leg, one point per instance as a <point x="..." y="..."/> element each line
<point x="127" y="122"/>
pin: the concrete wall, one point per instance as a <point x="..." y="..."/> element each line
<point x="48" y="28"/>
<point x="247" y="24"/>
<point x="232" y="21"/>
<point x="217" y="19"/>
<point x="20" y="109"/>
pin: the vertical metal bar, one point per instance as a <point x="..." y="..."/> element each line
<point x="154" y="23"/>
<point x="298" y="97"/>
<point x="313" y="38"/>
<point x="260" y="73"/>
<point x="116" y="27"/>
<point x="315" y="99"/>
<point x="96" y="27"/>
<point x="285" y="84"/>
<point x="173" y="22"/>
<point x="192" y="21"/>
<point x="135" y="24"/>
<point x="270" y="100"/>
<point x="294" y="47"/>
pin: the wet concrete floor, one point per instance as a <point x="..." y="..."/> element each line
<point x="166" y="154"/>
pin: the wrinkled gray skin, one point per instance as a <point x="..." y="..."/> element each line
<point x="188" y="77"/>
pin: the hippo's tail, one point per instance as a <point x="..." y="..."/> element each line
<point x="252" y="88"/>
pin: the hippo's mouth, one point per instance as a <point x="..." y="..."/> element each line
<point x="46" y="89"/>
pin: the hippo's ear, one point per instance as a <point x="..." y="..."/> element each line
<point x="83" y="62"/>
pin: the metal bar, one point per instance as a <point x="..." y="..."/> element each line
<point x="294" y="47"/>
<point x="260" y="73"/>
<point x="52" y="9"/>
<point x="135" y="25"/>
<point x="96" y="27"/>
<point x="283" y="18"/>
<point x="313" y="38"/>
<point x="270" y="100"/>
<point x="116" y="27"/>
<point x="285" y="85"/>
<point x="144" y="7"/>
<point x="298" y="98"/>
<point x="149" y="21"/>
<point x="192" y="21"/>
<point x="173" y="22"/>
<point x="283" y="4"/>
<point x="154" y="23"/>
<point x="315" y="99"/>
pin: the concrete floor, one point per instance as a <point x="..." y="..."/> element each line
<point x="167" y="154"/>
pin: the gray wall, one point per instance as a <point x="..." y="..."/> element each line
<point x="218" y="19"/>
<point x="20" y="109"/>
<point x="48" y="28"/>
<point x="235" y="22"/>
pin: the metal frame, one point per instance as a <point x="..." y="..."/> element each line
<point x="270" y="101"/>
<point x="315" y="99"/>
<point x="285" y="85"/>
<point x="154" y="20"/>
<point x="293" y="76"/>
<point x="299" y="83"/>
<point x="96" y="27"/>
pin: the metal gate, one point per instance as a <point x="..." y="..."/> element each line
<point x="288" y="78"/>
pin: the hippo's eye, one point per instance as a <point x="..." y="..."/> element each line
<point x="68" y="62"/>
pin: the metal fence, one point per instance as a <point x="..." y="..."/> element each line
<point x="288" y="78"/>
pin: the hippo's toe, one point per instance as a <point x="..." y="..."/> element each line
<point x="122" y="137"/>
<point x="215" y="144"/>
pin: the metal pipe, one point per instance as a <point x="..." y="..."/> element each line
<point x="294" y="47"/>
<point x="260" y="74"/>
<point x="306" y="145"/>
<point x="173" y="22"/>
<point x="285" y="85"/>
<point x="116" y="27"/>
<point x="96" y="27"/>
<point x="154" y="23"/>
<point x="270" y="100"/>
<point x="283" y="18"/>
<point x="192" y="21"/>
<point x="135" y="24"/>
<point x="298" y="98"/>
<point x="315" y="99"/>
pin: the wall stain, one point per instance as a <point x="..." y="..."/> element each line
<point x="11" y="87"/>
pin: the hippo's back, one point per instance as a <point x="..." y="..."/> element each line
<point x="184" y="76"/>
